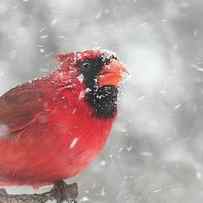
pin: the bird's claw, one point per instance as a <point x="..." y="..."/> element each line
<point x="64" y="192"/>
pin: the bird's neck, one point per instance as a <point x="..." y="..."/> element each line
<point x="102" y="100"/>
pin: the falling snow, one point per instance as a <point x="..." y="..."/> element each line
<point x="84" y="199"/>
<point x="4" y="130"/>
<point x="81" y="95"/>
<point x="44" y="36"/>
<point x="73" y="143"/>
<point x="155" y="151"/>
<point x="103" y="163"/>
<point x="80" y="78"/>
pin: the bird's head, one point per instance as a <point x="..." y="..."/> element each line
<point x="101" y="73"/>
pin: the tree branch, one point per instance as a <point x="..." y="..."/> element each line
<point x="60" y="192"/>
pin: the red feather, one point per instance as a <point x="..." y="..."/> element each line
<point x="50" y="131"/>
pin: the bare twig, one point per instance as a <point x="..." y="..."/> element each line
<point x="60" y="192"/>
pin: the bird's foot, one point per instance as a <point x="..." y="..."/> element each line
<point x="64" y="192"/>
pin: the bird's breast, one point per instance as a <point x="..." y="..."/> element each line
<point x="57" y="144"/>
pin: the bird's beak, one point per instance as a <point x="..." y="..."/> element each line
<point x="112" y="73"/>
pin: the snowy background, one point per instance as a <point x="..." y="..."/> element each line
<point x="155" y="153"/>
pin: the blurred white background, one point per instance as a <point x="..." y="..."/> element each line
<point x="155" y="153"/>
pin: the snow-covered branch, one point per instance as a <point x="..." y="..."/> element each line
<point x="60" y="192"/>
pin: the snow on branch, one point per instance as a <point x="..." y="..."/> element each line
<point x="60" y="192"/>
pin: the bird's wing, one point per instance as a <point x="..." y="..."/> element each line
<point x="20" y="105"/>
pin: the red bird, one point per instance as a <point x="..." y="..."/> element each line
<point x="53" y="127"/>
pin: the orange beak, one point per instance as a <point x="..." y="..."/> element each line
<point x="112" y="74"/>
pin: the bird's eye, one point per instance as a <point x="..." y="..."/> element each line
<point x="89" y="69"/>
<point x="86" y="66"/>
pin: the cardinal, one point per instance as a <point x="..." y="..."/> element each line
<point x="52" y="128"/>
